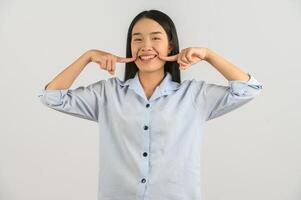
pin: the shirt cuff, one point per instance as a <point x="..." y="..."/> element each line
<point x="245" y="88"/>
<point x="52" y="97"/>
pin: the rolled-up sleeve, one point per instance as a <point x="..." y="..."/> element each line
<point x="215" y="100"/>
<point x="83" y="101"/>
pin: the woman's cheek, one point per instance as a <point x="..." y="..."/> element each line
<point x="162" y="51"/>
<point x="135" y="53"/>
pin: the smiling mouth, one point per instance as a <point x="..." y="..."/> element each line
<point x="147" y="58"/>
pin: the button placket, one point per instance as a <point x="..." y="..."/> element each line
<point x="145" y="154"/>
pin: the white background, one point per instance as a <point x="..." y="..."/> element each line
<point x="250" y="153"/>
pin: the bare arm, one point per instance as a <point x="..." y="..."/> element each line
<point x="227" y="69"/>
<point x="65" y="78"/>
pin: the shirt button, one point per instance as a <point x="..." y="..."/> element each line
<point x="143" y="180"/>
<point x="145" y="127"/>
<point x="144" y="154"/>
<point x="147" y="105"/>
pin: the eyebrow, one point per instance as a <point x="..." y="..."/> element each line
<point x="156" y="32"/>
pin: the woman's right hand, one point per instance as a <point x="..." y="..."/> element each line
<point x="107" y="61"/>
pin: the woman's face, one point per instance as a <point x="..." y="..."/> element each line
<point x="149" y="38"/>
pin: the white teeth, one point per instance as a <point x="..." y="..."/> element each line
<point x="147" y="57"/>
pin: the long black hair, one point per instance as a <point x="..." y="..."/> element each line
<point x="169" y="27"/>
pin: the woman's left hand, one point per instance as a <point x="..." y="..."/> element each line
<point x="187" y="56"/>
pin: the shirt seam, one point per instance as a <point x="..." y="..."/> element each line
<point x="193" y="95"/>
<point x="101" y="99"/>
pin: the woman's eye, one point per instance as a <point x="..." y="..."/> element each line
<point x="156" y="38"/>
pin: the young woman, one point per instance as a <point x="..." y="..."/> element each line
<point x="150" y="124"/>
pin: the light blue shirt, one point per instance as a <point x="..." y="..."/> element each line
<point x="150" y="149"/>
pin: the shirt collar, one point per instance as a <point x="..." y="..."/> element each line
<point x="165" y="88"/>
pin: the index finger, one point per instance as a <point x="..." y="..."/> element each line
<point x="169" y="58"/>
<point x="125" y="60"/>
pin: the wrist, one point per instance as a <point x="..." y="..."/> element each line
<point x="88" y="55"/>
<point x="208" y="54"/>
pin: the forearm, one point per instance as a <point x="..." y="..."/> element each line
<point x="227" y="69"/>
<point x="65" y="78"/>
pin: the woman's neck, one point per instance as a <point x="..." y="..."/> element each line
<point x="150" y="80"/>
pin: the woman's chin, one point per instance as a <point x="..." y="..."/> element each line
<point x="149" y="68"/>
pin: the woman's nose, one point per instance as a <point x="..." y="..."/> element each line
<point x="146" y="49"/>
<point x="146" y="43"/>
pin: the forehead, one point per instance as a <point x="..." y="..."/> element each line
<point x="147" y="26"/>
